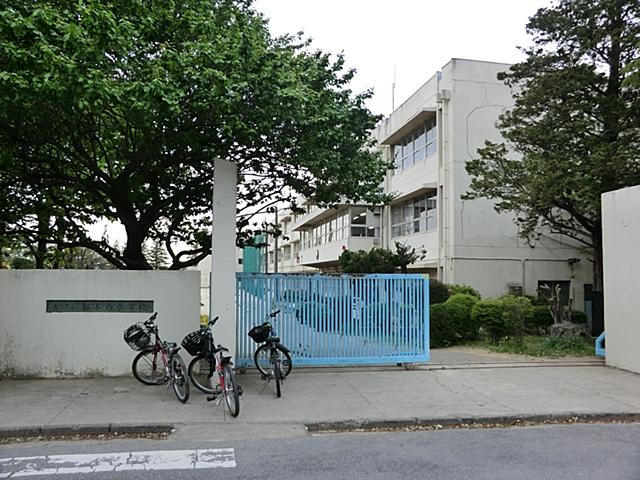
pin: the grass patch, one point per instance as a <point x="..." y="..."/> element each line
<point x="536" y="346"/>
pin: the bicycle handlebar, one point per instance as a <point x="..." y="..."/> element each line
<point x="151" y="319"/>
<point x="273" y="314"/>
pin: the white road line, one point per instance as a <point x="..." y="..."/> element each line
<point x="117" y="462"/>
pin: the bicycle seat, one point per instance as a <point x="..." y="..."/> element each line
<point x="273" y="339"/>
<point x="220" y="348"/>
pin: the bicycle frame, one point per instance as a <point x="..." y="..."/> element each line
<point x="160" y="348"/>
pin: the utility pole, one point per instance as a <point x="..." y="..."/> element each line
<point x="275" y="247"/>
<point x="266" y="246"/>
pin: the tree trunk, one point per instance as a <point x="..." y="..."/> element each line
<point x="597" y="306"/>
<point x="40" y="253"/>
<point x="133" y="256"/>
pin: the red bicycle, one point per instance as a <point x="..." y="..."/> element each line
<point x="211" y="371"/>
<point x="158" y="362"/>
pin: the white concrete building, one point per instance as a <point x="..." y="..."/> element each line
<point x="430" y="137"/>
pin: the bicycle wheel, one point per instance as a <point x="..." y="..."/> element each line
<point x="231" y="393"/>
<point x="148" y="368"/>
<point x="262" y="359"/>
<point x="201" y="370"/>
<point x="179" y="379"/>
<point x="277" y="374"/>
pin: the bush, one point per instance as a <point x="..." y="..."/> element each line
<point x="466" y="289"/>
<point x="488" y="315"/>
<point x="576" y="316"/>
<point x="540" y="321"/>
<point x="438" y="292"/>
<point x="516" y="313"/>
<point x="538" y="301"/>
<point x="441" y="331"/>
<point x="376" y="260"/>
<point x="459" y="308"/>
<point x="503" y="317"/>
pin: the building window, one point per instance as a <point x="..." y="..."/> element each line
<point x="353" y="222"/>
<point x="416" y="146"/>
<point x="415" y="216"/>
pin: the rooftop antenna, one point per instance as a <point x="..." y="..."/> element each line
<point x="393" y="90"/>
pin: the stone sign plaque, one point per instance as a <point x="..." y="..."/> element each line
<point x="100" y="306"/>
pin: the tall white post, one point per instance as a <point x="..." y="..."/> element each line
<point x="223" y="254"/>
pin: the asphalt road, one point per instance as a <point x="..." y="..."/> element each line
<point x="551" y="452"/>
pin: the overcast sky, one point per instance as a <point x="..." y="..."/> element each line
<point x="417" y="37"/>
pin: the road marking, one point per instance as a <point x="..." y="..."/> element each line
<point x="117" y="462"/>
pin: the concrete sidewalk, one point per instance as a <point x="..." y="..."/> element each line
<point x="438" y="391"/>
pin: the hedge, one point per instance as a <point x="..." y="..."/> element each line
<point x="460" y="306"/>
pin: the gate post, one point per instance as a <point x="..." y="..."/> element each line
<point x="222" y="293"/>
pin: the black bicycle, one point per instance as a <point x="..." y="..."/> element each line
<point x="209" y="360"/>
<point x="272" y="359"/>
<point x="158" y="362"/>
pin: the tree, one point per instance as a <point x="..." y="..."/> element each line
<point x="116" y="110"/>
<point x="156" y="255"/>
<point x="575" y="124"/>
<point x="406" y="255"/>
<point x="380" y="260"/>
<point x="376" y="260"/>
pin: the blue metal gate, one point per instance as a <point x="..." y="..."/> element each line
<point x="337" y="319"/>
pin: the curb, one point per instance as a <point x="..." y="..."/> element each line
<point x="494" y="365"/>
<point x="92" y="430"/>
<point x="470" y="422"/>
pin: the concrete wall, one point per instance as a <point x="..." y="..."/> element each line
<point x="36" y="343"/>
<point x="621" y="237"/>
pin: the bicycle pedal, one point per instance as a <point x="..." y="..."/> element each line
<point x="240" y="390"/>
<point x="211" y="398"/>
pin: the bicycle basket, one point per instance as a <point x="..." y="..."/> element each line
<point x="137" y="336"/>
<point x="195" y="343"/>
<point x="260" y="333"/>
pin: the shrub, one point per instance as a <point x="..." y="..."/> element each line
<point x="516" y="313"/>
<point x="576" y="316"/>
<point x="488" y="315"/>
<point x="540" y="321"/>
<point x="538" y="301"/>
<point x="438" y="292"/>
<point x="459" y="310"/>
<point x="376" y="260"/>
<point x="441" y="331"/>
<point x="466" y="289"/>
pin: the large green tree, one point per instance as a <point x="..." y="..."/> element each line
<point x="574" y="132"/>
<point x="115" y="110"/>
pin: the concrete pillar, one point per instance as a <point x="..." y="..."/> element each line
<point x="620" y="236"/>
<point x="223" y="254"/>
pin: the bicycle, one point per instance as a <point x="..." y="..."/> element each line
<point x="209" y="360"/>
<point x="272" y="359"/>
<point x="158" y="362"/>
